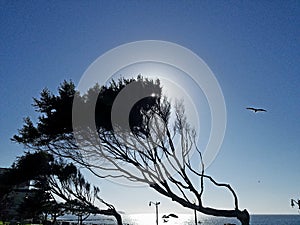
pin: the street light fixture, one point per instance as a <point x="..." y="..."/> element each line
<point x="156" y="209"/>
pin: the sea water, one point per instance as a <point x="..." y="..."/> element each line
<point x="188" y="219"/>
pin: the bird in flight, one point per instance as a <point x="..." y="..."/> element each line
<point x="256" y="109"/>
<point x="166" y="217"/>
<point x="170" y="215"/>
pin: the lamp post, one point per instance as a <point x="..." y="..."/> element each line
<point x="156" y="209"/>
<point x="195" y="212"/>
<point x="195" y="216"/>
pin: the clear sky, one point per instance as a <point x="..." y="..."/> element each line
<point x="251" y="46"/>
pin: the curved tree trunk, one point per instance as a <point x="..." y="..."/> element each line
<point x="118" y="218"/>
<point x="242" y="216"/>
<point x="112" y="212"/>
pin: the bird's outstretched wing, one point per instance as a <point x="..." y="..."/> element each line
<point x="261" y="110"/>
<point x="173" y="215"/>
<point x="250" y="108"/>
<point x="256" y="109"/>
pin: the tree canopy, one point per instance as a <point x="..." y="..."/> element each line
<point x="154" y="148"/>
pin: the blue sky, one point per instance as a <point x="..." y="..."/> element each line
<point x="251" y="46"/>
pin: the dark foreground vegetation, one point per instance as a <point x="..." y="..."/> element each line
<point x="39" y="187"/>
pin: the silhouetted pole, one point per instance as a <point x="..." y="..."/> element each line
<point x="156" y="209"/>
<point x="195" y="212"/>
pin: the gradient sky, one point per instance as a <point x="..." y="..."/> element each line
<point x="251" y="46"/>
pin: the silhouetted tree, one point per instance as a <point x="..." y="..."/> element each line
<point x="36" y="206"/>
<point x="70" y="185"/>
<point x="6" y="200"/>
<point x="4" y="189"/>
<point x="155" y="150"/>
<point x="15" y="183"/>
<point x="51" y="178"/>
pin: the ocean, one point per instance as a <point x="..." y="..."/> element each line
<point x="188" y="219"/>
